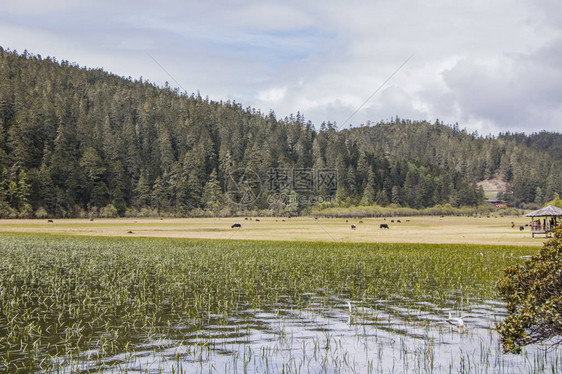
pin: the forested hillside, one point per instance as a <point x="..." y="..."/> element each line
<point x="76" y="141"/>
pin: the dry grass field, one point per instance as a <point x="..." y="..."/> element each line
<point x="462" y="230"/>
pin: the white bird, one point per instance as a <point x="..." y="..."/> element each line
<point x="456" y="321"/>
<point x="358" y="313"/>
<point x="357" y="310"/>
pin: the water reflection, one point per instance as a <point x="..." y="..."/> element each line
<point x="396" y="335"/>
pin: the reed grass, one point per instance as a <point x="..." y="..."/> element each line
<point x="81" y="299"/>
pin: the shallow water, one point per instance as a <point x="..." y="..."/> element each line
<point x="146" y="305"/>
<point x="378" y="336"/>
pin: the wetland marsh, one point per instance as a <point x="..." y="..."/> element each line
<point x="71" y="304"/>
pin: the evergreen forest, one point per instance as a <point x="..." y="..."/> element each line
<point x="78" y="142"/>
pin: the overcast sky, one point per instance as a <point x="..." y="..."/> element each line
<point x="491" y="66"/>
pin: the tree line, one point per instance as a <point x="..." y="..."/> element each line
<point x="77" y="141"/>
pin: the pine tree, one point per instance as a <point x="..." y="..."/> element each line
<point x="369" y="192"/>
<point x="23" y="194"/>
<point x="538" y="196"/>
<point x="381" y="198"/>
<point x="119" y="202"/>
<point x="395" y="195"/>
<point x="212" y="193"/>
<point x="142" y="192"/>
<point x="159" y="198"/>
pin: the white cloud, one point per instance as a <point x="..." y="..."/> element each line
<point x="273" y="95"/>
<point x="489" y="66"/>
<point x="520" y="92"/>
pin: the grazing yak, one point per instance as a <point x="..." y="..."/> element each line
<point x="50" y="221"/>
<point x="384" y="226"/>
<point x="353" y="227"/>
<point x="521" y="228"/>
<point x="236" y="225"/>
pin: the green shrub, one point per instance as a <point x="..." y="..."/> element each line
<point x="533" y="292"/>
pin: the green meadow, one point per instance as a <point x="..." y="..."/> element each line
<point x="107" y="304"/>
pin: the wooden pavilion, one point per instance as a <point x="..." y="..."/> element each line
<point x="550" y="219"/>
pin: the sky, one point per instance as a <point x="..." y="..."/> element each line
<point x="490" y="66"/>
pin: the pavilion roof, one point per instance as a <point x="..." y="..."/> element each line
<point x="549" y="211"/>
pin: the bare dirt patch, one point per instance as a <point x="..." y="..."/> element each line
<point x="493" y="185"/>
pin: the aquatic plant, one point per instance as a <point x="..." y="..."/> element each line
<point x="66" y="301"/>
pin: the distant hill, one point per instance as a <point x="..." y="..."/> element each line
<point x="76" y="141"/>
